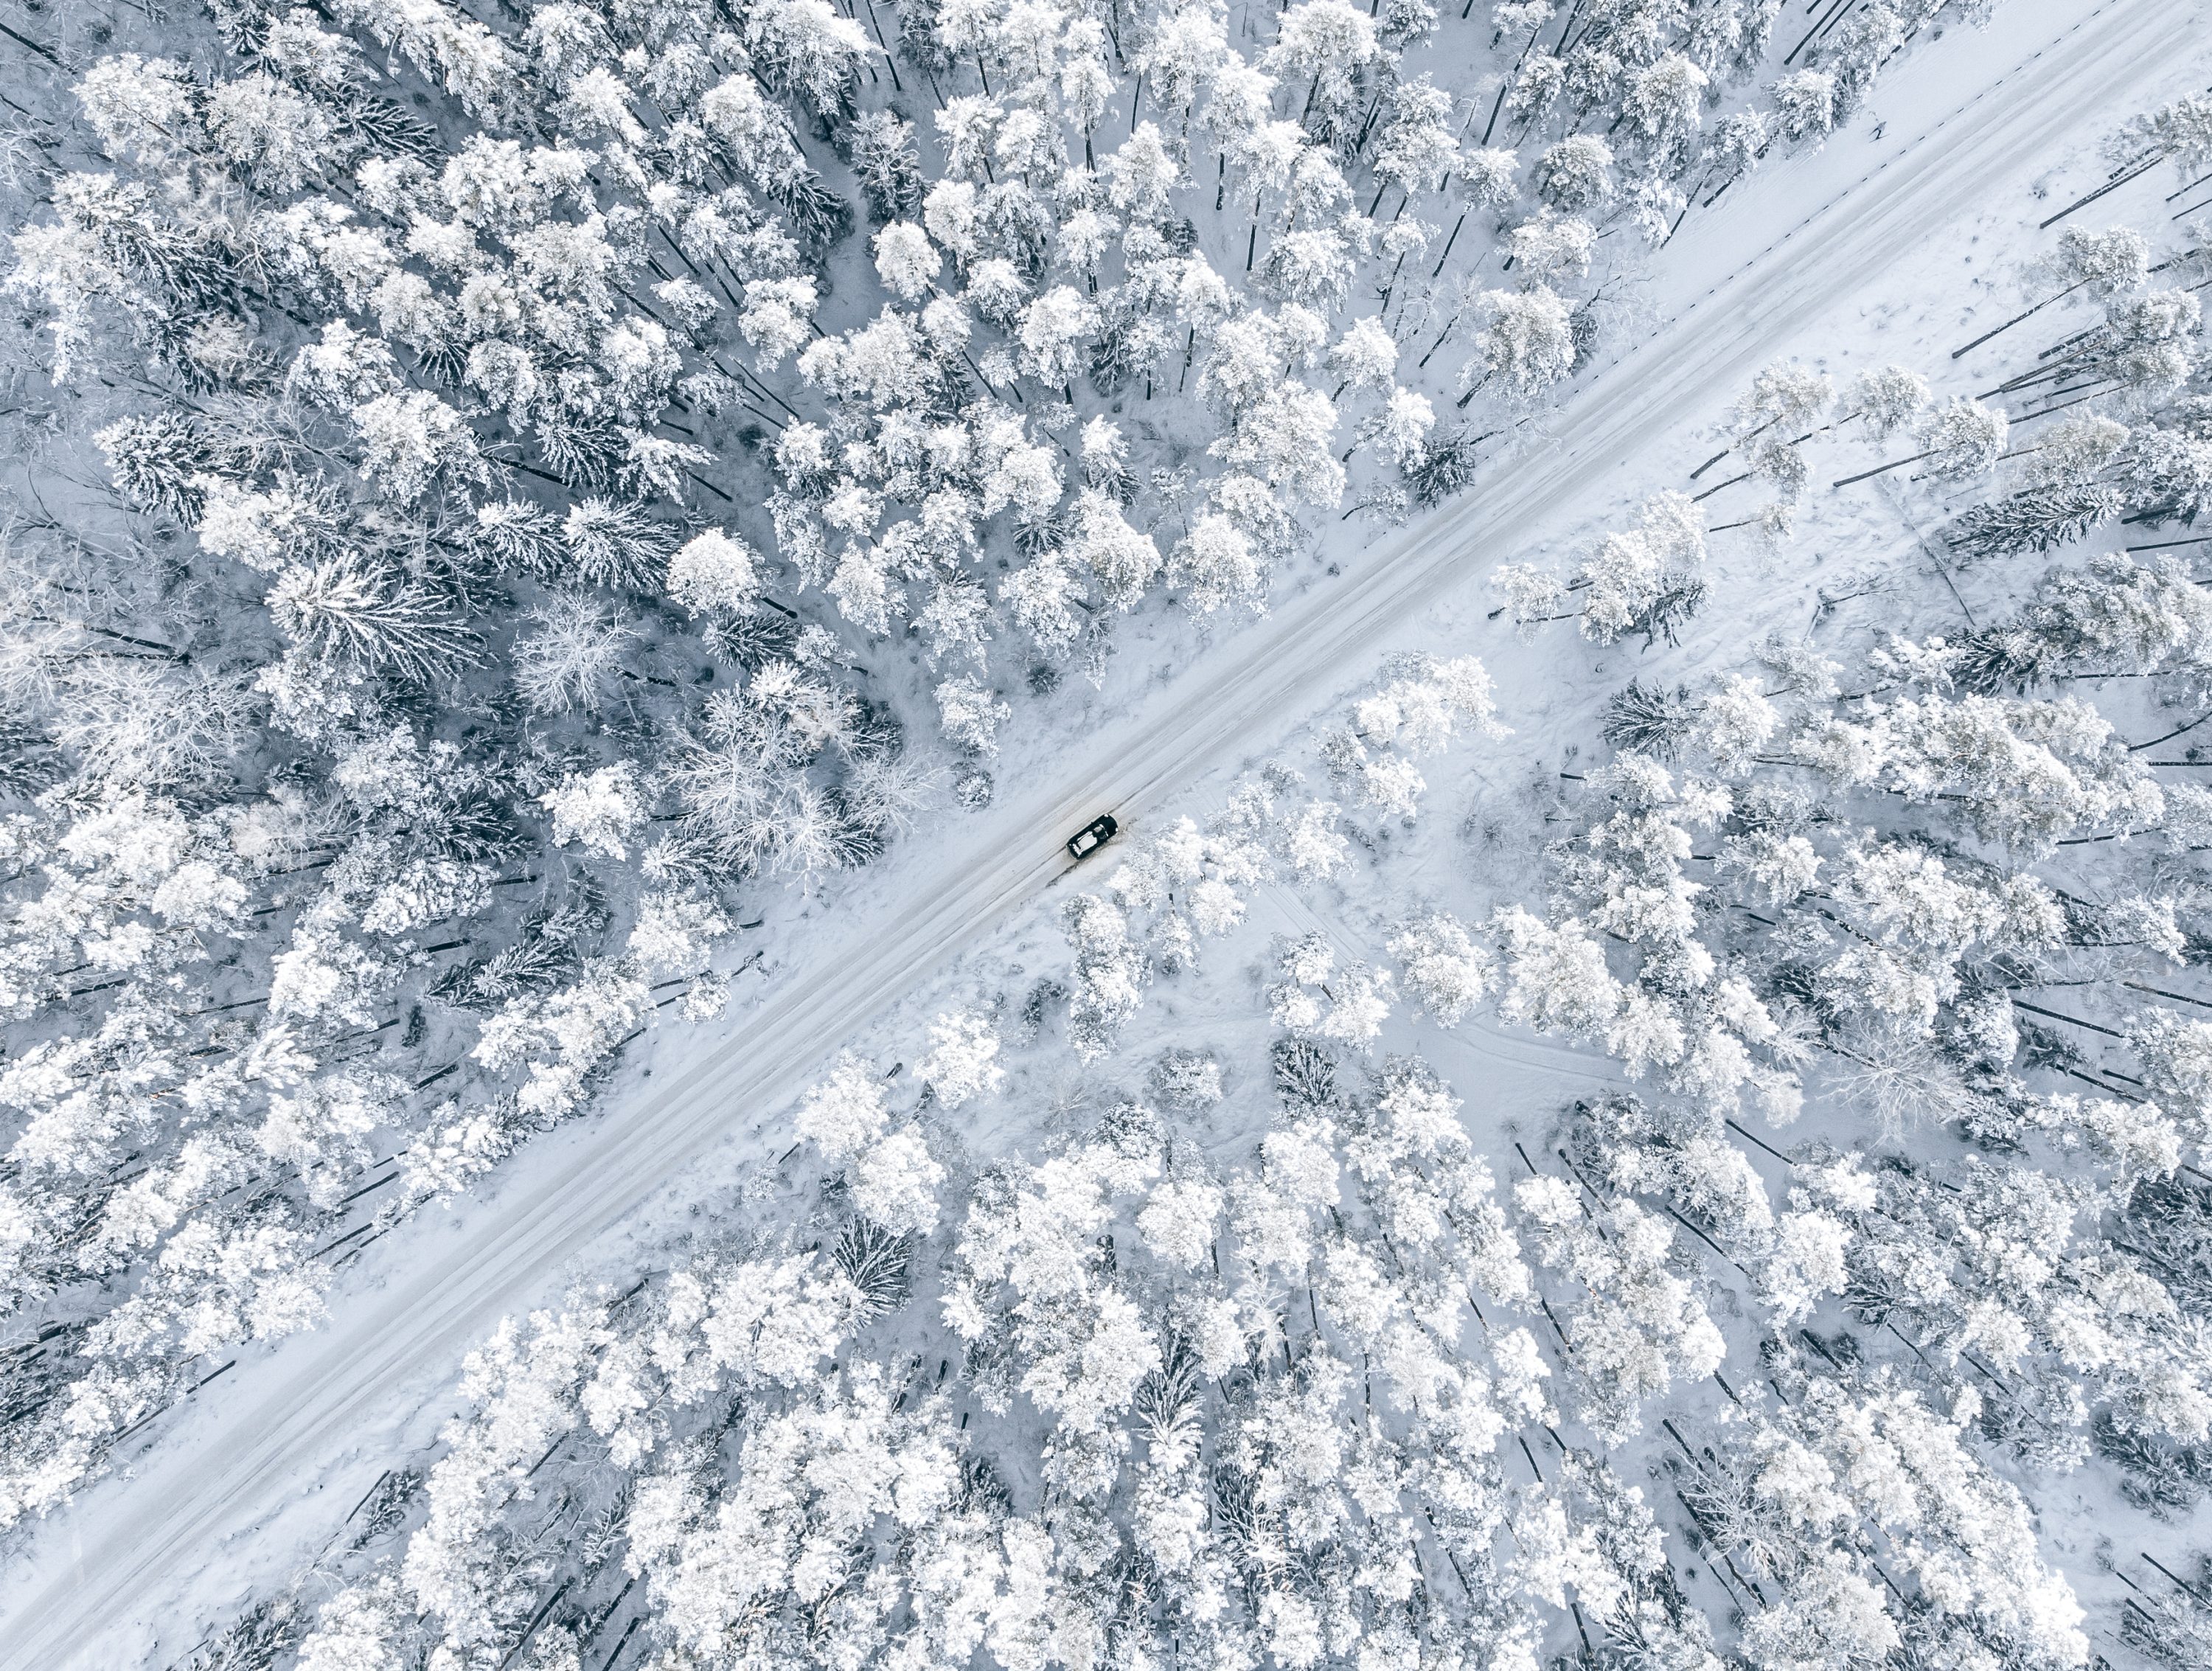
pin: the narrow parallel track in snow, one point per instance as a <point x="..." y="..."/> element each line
<point x="109" y="1576"/>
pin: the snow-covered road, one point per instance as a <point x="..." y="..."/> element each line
<point x="102" y="1579"/>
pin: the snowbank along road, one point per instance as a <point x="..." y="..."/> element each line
<point x="131" y="1563"/>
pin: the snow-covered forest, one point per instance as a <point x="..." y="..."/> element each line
<point x="1632" y="1131"/>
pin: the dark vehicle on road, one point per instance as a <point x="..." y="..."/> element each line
<point x="1093" y="836"/>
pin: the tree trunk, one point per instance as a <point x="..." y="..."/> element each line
<point x="1392" y="284"/>
<point x="1957" y="353"/>
<point x="1494" y="109"/>
<point x="1896" y="464"/>
<point x="1436" y="344"/>
<point x="1448" y="242"/>
<point x="872" y="23"/>
<point x="1834" y="12"/>
<point x="2112" y="185"/>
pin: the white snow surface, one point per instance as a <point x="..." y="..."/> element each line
<point x="253" y="1477"/>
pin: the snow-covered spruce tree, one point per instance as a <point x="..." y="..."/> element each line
<point x="341" y="871"/>
<point x="441" y="360"/>
<point x="1963" y="901"/>
<point x="1234" y="1407"/>
<point x="1910" y="899"/>
<point x="2139" y="448"/>
<point x="1418" y="708"/>
<point x="1644" y="579"/>
<point x="2131" y="447"/>
<point x="1790" y="1501"/>
<point x="1262" y="1408"/>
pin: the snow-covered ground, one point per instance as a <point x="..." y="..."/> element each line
<point x="1900" y="239"/>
